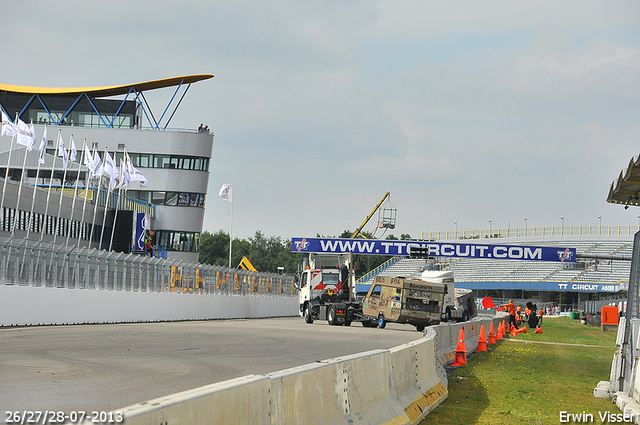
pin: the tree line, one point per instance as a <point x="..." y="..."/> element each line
<point x="267" y="254"/>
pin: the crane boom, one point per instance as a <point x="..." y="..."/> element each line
<point x="357" y="232"/>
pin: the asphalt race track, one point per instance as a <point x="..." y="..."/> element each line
<point x="106" y="367"/>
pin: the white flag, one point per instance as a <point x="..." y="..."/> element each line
<point x="123" y="182"/>
<point x="62" y="151"/>
<point x="43" y="146"/>
<point x="134" y="174"/>
<point x="8" y="128"/>
<point x="74" y="151"/>
<point x="225" y="192"/>
<point x="88" y="160"/>
<point x="26" y="136"/>
<point x="110" y="168"/>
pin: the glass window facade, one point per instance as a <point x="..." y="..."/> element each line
<point x="181" y="199"/>
<point x="177" y="241"/>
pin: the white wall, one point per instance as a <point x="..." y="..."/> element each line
<point x="27" y="305"/>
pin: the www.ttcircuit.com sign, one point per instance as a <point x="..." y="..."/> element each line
<point x="435" y="249"/>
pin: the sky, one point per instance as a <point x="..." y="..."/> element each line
<point x="464" y="111"/>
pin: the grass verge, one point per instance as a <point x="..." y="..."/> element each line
<point x="521" y="381"/>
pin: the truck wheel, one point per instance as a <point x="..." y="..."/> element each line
<point x="447" y="315"/>
<point x="307" y="314"/>
<point x="347" y="322"/>
<point x="420" y="328"/>
<point x="369" y="323"/>
<point x="465" y="316"/>
<point x="331" y="316"/>
<point x="381" y="322"/>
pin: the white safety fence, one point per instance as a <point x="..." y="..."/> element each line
<point x="58" y="284"/>
<point x="400" y="385"/>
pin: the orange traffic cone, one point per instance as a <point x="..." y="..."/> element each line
<point x="461" y="351"/>
<point x="492" y="336"/>
<point x="499" y="335"/>
<point x="515" y="332"/>
<point x="482" y="341"/>
<point x="538" y="330"/>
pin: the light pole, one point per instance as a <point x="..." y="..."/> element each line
<point x="562" y="226"/>
<point x="525" y="226"/>
<point x="456" y="223"/>
<point x="600" y="225"/>
<point x="489" y="227"/>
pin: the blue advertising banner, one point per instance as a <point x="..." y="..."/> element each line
<point x="526" y="286"/>
<point x="435" y="249"/>
<point x="141" y="224"/>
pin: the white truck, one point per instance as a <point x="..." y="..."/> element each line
<point x="327" y="292"/>
<point x="458" y="303"/>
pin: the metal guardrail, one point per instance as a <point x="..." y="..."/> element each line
<point x="61" y="266"/>
<point x="382" y="267"/>
<point x="544" y="231"/>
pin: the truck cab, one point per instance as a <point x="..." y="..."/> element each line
<point x="458" y="303"/>
<point x="325" y="285"/>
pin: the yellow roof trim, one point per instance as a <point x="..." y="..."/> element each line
<point x="107" y="90"/>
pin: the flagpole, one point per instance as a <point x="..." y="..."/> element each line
<point x="46" y="208"/>
<point x="41" y="160"/>
<point x="64" y="177"/>
<point x="86" y="190"/>
<point x="95" y="169"/>
<point x="106" y="204"/>
<point x="75" y="193"/>
<point x="24" y="164"/>
<point x="95" y="209"/>
<point x="35" y="186"/>
<point x="231" y="226"/>
<point x="115" y="215"/>
<point x="6" y="177"/>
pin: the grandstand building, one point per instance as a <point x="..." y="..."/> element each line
<point x="175" y="163"/>
<point x="601" y="271"/>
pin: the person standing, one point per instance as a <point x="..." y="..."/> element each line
<point x="511" y="309"/>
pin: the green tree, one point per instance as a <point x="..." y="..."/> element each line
<point x="214" y="248"/>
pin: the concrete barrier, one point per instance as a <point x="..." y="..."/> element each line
<point x="623" y="386"/>
<point x="243" y="400"/>
<point x="29" y="305"/>
<point x="396" y="386"/>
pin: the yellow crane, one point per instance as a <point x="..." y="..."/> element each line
<point x="387" y="220"/>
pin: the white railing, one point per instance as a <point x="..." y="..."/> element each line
<point x="544" y="231"/>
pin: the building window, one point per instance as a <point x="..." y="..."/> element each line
<point x="178" y="241"/>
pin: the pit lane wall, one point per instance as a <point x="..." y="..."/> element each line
<point x="30" y="305"/>
<point x="397" y="386"/>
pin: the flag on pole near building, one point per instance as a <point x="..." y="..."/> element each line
<point x="26" y="135"/>
<point x="225" y="192"/>
<point x="73" y="153"/>
<point x="134" y="174"/>
<point x="110" y="168"/>
<point x="88" y="161"/>
<point x="62" y="151"/>
<point x="8" y="127"/>
<point x="125" y="178"/>
<point x="43" y="146"/>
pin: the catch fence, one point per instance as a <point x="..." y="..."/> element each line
<point x="62" y="266"/>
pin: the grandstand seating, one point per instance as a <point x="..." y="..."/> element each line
<point x="613" y="272"/>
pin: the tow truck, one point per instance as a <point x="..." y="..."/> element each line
<point x="327" y="292"/>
